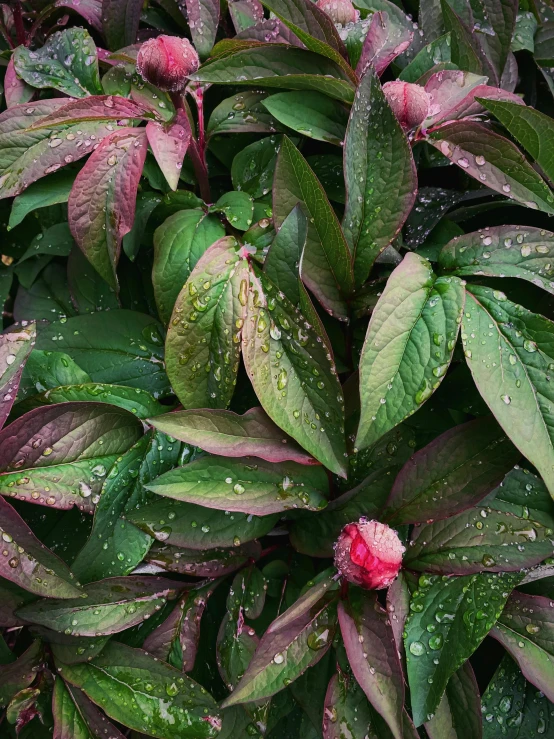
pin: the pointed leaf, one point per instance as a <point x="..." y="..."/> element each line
<point x="459" y="713"/>
<point x="238" y="208"/>
<point x="136" y="401"/>
<point x="372" y="655"/>
<point x="466" y="52"/>
<point x="326" y="265"/>
<point x="455" y="471"/>
<point x="384" y="41"/>
<point x="169" y="145"/>
<point x="380" y="176"/>
<point x="16" y="91"/>
<point x="493" y="160"/>
<point x="245" y="486"/>
<point x="501" y="17"/>
<point x="68" y="721"/>
<point x="55" y="189"/>
<point x="95" y="108"/>
<point x="512" y="370"/>
<point x="203" y="18"/>
<point x="197" y="563"/>
<point x="120" y="22"/>
<point x="408" y="345"/>
<point x="462" y="610"/>
<point x="206" y="327"/>
<point x="310" y="113"/>
<point x="101" y="206"/>
<point x="231" y="435"/>
<point x="241" y="113"/>
<point x="15" y="346"/>
<point x="175" y="707"/>
<point x="28" y="563"/>
<point x="19" y="674"/>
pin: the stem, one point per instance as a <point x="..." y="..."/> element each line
<point x="196" y="148"/>
<point x="18" y="22"/>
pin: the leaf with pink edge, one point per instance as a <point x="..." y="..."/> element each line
<point x="198" y="563"/>
<point x="384" y="41"/>
<point x="169" y="144"/>
<point x="16" y="344"/>
<point x="203" y="18"/>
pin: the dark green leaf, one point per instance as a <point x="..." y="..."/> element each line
<point x="134" y="400"/>
<point x="458" y="715"/>
<point x="15" y="346"/>
<point x="203" y="18"/>
<point x="53" y="190"/>
<point x="89" y="291"/>
<point x="310" y="113"/>
<point x="242" y="113"/>
<point x="120" y="22"/>
<point x="237" y="207"/>
<point x="19" y="674"/>
<point x="434" y="53"/>
<point x="198" y="563"/>
<point x="466" y="52"/>
<point x="253" y="168"/>
<point x="68" y="721"/>
<point x="45" y="370"/>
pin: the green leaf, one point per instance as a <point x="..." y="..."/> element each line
<point x="525" y="629"/>
<point x="372" y="654"/>
<point x="203" y="18"/>
<point x="455" y="471"/>
<point x="458" y="715"/>
<point x="110" y="606"/>
<point x="275" y="65"/>
<point x="44" y="370"/>
<point x="532" y="129"/>
<point x="136" y="401"/>
<point x="508" y="531"/>
<point x="198" y="563"/>
<point x="282" y="262"/>
<point x="501" y="20"/>
<point x="408" y="345"/>
<point x="512" y="370"/>
<point x="503" y="251"/>
<point x="178" y="245"/>
<point x="28" y="563"/>
<point x="293" y="374"/>
<point x="15" y="347"/>
<point x="512" y="702"/>
<point x="73" y="445"/>
<point x="461" y="612"/>
<point x="89" y="291"/>
<point x="434" y="53"/>
<point x="19" y="674"/>
<point x="130" y="353"/>
<point x="145" y="694"/>
<point x="231" y="435"/>
<point x="248" y="485"/>
<point x="101" y="207"/>
<point x="296" y="640"/>
<point x="195" y="527"/>
<point x="67" y="62"/>
<point x="242" y="113"/>
<point x="466" y="52"/>
<point x="204" y="335"/>
<point x="326" y="265"/>
<point x="310" y="113"/>
<point x="55" y="241"/>
<point x="120" y="22"/>
<point x="55" y="189"/>
<point x="253" y="168"/>
<point x="494" y="161"/>
<point x="68" y="721"/>
<point x="380" y="176"/>
<point x="237" y="207"/>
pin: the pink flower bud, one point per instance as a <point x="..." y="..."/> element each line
<point x="409" y="102"/>
<point x="339" y="11"/>
<point x="369" y="553"/>
<point x="167" y="61"/>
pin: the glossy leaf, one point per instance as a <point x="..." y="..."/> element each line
<point x="95" y="108"/>
<point x="169" y="145"/>
<point x="230" y="435"/>
<point x="380" y="176"/>
<point x="326" y="265"/>
<point x="212" y="303"/>
<point x="68" y="721"/>
<point x="207" y="563"/>
<point x="136" y="401"/>
<point x="461" y="611"/>
<point x="120" y="22"/>
<point x="518" y="342"/>
<point x="493" y="160"/>
<point x="384" y="41"/>
<point x="372" y="655"/>
<point x="458" y="714"/>
<point x="203" y="17"/>
<point x="455" y="471"/>
<point x="503" y="251"/>
<point x="19" y="674"/>
<point x="178" y="245"/>
<point x="15" y="346"/>
<point x="309" y="113"/>
<point x="174" y="706"/>
<point x="55" y="189"/>
<point x="408" y="345"/>
<point x="101" y="206"/>
<point x="245" y="486"/>
<point x="241" y="113"/>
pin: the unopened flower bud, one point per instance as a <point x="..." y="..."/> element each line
<point x="339" y="11"/>
<point x="167" y="61"/>
<point x="409" y="102"/>
<point x="369" y="554"/>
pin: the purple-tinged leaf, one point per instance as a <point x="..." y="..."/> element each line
<point x="120" y="22"/>
<point x="28" y="563"/>
<point x="110" y="606"/>
<point x="18" y="675"/>
<point x="452" y="473"/>
<point x="101" y="207"/>
<point x="12" y="597"/>
<point x="458" y="715"/>
<point x="71" y="649"/>
<point x="500" y="17"/>
<point x="203" y="18"/>
<point x="372" y="654"/>
<point x="231" y="435"/>
<point x="175" y="708"/>
<point x="503" y="251"/>
<point x="380" y="176"/>
<point x="242" y="113"/>
<point x="398" y="608"/>
<point x="27" y="155"/>
<point x="245" y="13"/>
<point x="272" y="31"/>
<point x="176" y="640"/>
<point x="76" y="710"/>
<point x="384" y="41"/>
<point x="505" y="533"/>
<point x="90" y="10"/>
<point x="296" y="640"/>
<point x="16" y="90"/>
<point x="493" y="161"/>
<point x="15" y="346"/>
<point x="59" y="455"/>
<point x="95" y="108"/>
<point x="462" y="610"/>
<point x="169" y="144"/>
<point x="246" y="486"/>
<point x="526" y="630"/>
<point x="208" y="563"/>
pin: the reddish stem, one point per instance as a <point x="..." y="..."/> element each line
<point x="18" y="22"/>
<point x="196" y="151"/>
